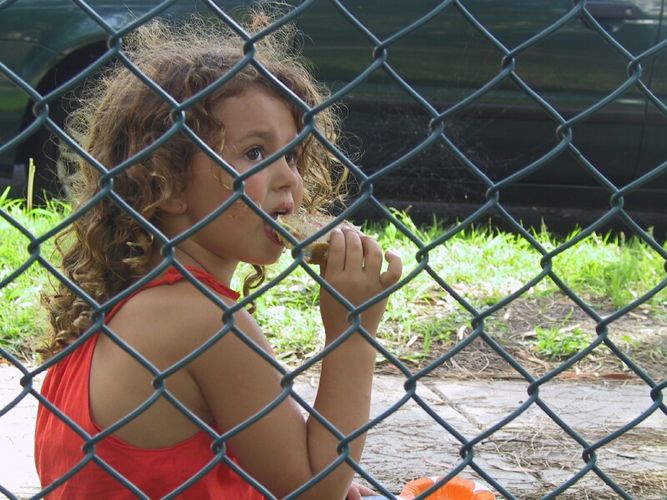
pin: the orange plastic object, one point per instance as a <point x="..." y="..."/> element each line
<point x="457" y="488"/>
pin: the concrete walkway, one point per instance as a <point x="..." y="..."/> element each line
<point x="529" y="457"/>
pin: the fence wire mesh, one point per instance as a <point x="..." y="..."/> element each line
<point x="508" y="69"/>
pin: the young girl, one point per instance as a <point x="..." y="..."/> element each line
<point x="151" y="447"/>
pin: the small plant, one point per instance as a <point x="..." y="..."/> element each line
<point x="559" y="343"/>
<point x="434" y="328"/>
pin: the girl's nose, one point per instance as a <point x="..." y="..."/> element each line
<point x="286" y="175"/>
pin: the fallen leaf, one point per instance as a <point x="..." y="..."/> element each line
<point x="617" y="376"/>
<point x="460" y="333"/>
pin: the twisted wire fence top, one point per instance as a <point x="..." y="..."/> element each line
<point x="378" y="64"/>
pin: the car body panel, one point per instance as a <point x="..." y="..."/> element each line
<point x="37" y="38"/>
<point x="446" y="60"/>
<point x="656" y="120"/>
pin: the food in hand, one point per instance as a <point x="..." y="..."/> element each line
<point x="303" y="225"/>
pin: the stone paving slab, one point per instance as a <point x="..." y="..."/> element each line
<point x="529" y="456"/>
<point x="17" y="470"/>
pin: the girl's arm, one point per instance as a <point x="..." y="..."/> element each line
<point x="282" y="450"/>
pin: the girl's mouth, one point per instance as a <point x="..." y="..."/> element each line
<point x="270" y="231"/>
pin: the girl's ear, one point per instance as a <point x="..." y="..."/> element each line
<point x="176" y="205"/>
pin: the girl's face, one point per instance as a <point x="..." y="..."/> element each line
<point x="257" y="124"/>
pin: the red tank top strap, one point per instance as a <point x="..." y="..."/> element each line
<point x="172" y="276"/>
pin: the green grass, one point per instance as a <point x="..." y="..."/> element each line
<point x="560" y="343"/>
<point x="482" y="265"/>
<point x="21" y="314"/>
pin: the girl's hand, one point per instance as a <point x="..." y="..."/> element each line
<point x="358" y="492"/>
<point x="354" y="269"/>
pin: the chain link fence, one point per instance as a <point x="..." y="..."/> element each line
<point x="508" y="62"/>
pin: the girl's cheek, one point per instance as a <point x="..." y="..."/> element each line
<point x="298" y="191"/>
<point x="255" y="189"/>
<point x="237" y="210"/>
<point x="223" y="178"/>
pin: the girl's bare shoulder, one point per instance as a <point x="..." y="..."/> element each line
<point x="179" y="315"/>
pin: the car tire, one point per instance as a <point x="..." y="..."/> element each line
<point x="44" y="150"/>
<point x="44" y="147"/>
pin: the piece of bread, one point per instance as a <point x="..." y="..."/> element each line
<point x="303" y="225"/>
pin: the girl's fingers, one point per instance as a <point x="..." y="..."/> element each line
<point x="351" y="251"/>
<point x="353" y="493"/>
<point x="372" y="256"/>
<point x="354" y="251"/>
<point x="336" y="254"/>
<point x="365" y="491"/>
<point x="394" y="269"/>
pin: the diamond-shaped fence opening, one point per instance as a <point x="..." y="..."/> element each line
<point x="424" y="423"/>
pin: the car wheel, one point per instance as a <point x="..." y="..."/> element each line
<point x="44" y="150"/>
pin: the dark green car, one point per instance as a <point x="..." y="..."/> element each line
<point x="542" y="105"/>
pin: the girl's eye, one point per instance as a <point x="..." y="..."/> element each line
<point x="292" y="158"/>
<point x="255" y="154"/>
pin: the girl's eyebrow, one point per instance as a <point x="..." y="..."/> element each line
<point x="263" y="134"/>
<point x="266" y="135"/>
<point x="237" y="144"/>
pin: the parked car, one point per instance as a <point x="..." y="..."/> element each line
<point x="445" y="60"/>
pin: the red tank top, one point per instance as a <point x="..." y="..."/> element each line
<point x="156" y="472"/>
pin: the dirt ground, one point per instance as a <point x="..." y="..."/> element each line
<point x="640" y="334"/>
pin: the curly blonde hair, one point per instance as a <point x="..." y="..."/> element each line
<point x="105" y="249"/>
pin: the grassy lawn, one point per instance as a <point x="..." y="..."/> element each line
<point x="21" y="314"/>
<point x="542" y="328"/>
<point x="482" y="266"/>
